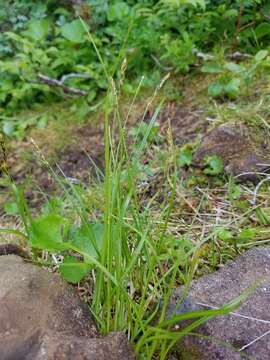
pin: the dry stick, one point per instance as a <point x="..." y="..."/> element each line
<point x="3" y="155"/>
<point x="60" y="83"/>
<point x="238" y="56"/>
<point x="253" y="341"/>
<point x="165" y="68"/>
<point x="257" y="189"/>
<point x="247" y="26"/>
<point x="251" y="173"/>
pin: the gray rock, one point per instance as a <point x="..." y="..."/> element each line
<point x="42" y="318"/>
<point x="229" y="333"/>
<point x="244" y="150"/>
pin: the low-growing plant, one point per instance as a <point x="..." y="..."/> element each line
<point x="213" y="165"/>
<point x="235" y="79"/>
<point x="185" y="156"/>
<point x="122" y="248"/>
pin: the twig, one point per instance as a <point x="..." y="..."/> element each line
<point x="202" y="55"/>
<point x="264" y="121"/>
<point x="60" y="83"/>
<point x="165" y="68"/>
<point x="73" y="75"/>
<point x="250" y="173"/>
<point x="237" y="56"/>
<point x="246" y="26"/>
<point x="257" y="189"/>
<point x="253" y="341"/>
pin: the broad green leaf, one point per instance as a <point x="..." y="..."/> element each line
<point x="88" y="238"/>
<point x="74" y="32"/>
<point x="225" y="235"/>
<point x="179" y="3"/>
<point x="215" y="89"/>
<point x="261" y="54"/>
<point x="197" y="3"/>
<point x="185" y="157"/>
<point x="232" y="89"/>
<point x="231" y="13"/>
<point x="233" y="67"/>
<point x="38" y="29"/>
<point x="11" y="208"/>
<point x="211" y="68"/>
<point x="247" y="234"/>
<point x="42" y="122"/>
<point x="214" y="165"/>
<point x="48" y="233"/>
<point x="262" y="30"/>
<point x="118" y="11"/>
<point x="235" y="191"/>
<point x="73" y="270"/>
<point x="8" y="128"/>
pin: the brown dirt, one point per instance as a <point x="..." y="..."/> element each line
<point x="186" y="122"/>
<point x="85" y="142"/>
<point x="83" y="148"/>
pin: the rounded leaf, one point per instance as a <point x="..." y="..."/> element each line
<point x="74" y="32"/>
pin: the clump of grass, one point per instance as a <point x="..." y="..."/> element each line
<point x="132" y="284"/>
<point x="123" y="246"/>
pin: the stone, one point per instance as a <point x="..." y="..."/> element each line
<point x="228" y="334"/>
<point x="244" y="150"/>
<point x="42" y="318"/>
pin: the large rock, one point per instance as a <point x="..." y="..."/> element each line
<point x="244" y="150"/>
<point x="42" y="318"/>
<point x="230" y="333"/>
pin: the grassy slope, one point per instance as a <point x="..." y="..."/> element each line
<point x="211" y="219"/>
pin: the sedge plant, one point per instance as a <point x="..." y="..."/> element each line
<point x="120" y="248"/>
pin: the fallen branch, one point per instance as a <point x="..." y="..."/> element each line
<point x="238" y="56"/>
<point x="60" y="83"/>
<point x="202" y="55"/>
<point x="165" y="68"/>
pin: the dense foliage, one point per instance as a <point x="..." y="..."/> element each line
<point x="49" y="38"/>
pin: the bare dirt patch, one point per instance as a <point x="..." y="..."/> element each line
<point x="186" y="122"/>
<point x="83" y="150"/>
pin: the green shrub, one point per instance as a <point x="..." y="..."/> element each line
<point x="47" y="37"/>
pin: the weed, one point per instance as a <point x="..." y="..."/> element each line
<point x="124" y="246"/>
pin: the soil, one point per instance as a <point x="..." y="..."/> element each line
<point x="83" y="150"/>
<point x="187" y="122"/>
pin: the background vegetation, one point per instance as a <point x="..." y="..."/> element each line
<point x="129" y="235"/>
<point x="47" y="38"/>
